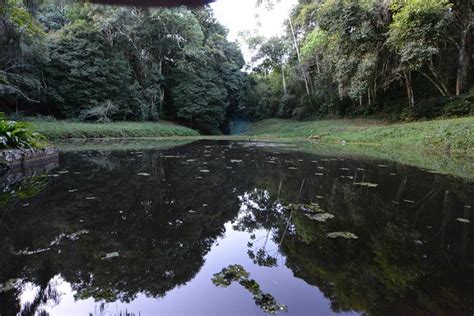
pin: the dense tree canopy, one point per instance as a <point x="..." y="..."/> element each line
<point x="119" y="63"/>
<point x="363" y="57"/>
<point x="396" y="58"/>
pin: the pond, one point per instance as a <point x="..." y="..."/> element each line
<point x="234" y="228"/>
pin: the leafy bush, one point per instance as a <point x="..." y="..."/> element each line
<point x="17" y="135"/>
<point x="101" y="113"/>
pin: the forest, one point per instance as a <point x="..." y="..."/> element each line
<point x="101" y="63"/>
<point x="394" y="59"/>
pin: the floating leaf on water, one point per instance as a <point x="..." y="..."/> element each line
<point x="308" y="208"/>
<point x="143" y="174"/>
<point x="111" y="255"/>
<point x="367" y="184"/>
<point x="322" y="217"/>
<point x="347" y="235"/>
<point x="75" y="236"/>
<point x="463" y="220"/>
<point x="347" y="177"/>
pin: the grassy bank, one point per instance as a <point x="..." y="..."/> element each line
<point x="58" y="130"/>
<point x="451" y="135"/>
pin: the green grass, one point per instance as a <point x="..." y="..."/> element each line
<point x="455" y="136"/>
<point x="58" y="130"/>
<point x="109" y="144"/>
<point x="434" y="162"/>
<point x="442" y="146"/>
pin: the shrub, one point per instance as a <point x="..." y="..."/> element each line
<point x="102" y="113"/>
<point x="17" y="135"/>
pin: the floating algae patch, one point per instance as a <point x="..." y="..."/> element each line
<point x="111" y="255"/>
<point x="237" y="273"/>
<point x="320" y="217"/>
<point x="346" y="235"/>
<point x="308" y="208"/>
<point x="366" y="184"/>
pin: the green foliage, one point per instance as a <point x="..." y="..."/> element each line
<point x="417" y="28"/>
<point x="353" y="58"/>
<point x="17" y="135"/>
<point x="83" y="72"/>
<point x="102" y="63"/>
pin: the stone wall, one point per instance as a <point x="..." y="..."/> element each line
<point x="14" y="158"/>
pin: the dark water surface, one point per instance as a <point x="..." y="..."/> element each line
<point x="230" y="228"/>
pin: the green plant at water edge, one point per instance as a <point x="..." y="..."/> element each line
<point x="17" y="135"/>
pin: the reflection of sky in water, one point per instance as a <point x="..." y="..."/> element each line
<point x="174" y="214"/>
<point x="200" y="296"/>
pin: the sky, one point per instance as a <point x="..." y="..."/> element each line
<point x="240" y="15"/>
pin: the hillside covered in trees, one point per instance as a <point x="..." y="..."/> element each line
<point x="77" y="60"/>
<point x="394" y="59"/>
<point x="405" y="58"/>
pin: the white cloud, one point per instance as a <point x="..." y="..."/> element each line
<point x="242" y="15"/>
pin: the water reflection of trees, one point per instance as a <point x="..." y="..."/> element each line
<point x="162" y="226"/>
<point x="410" y="257"/>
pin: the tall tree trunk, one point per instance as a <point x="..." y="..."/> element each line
<point x="409" y="86"/>
<point x="283" y="79"/>
<point x="466" y="21"/>
<point x="298" y="55"/>
<point x="462" y="80"/>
